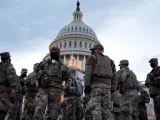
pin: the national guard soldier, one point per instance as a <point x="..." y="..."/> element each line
<point x="128" y="85"/>
<point x="50" y="79"/>
<point x="100" y="82"/>
<point x="143" y="99"/>
<point x="73" y="91"/>
<point x="16" y="107"/>
<point x="8" y="84"/>
<point x="31" y="85"/>
<point x="153" y="83"/>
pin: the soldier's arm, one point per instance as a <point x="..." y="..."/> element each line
<point x="114" y="77"/>
<point x="122" y="75"/>
<point x="88" y="69"/>
<point x="11" y="76"/>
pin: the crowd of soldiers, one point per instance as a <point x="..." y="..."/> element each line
<point x="109" y="95"/>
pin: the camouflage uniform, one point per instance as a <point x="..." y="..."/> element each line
<point x="153" y="83"/>
<point x="116" y="99"/>
<point x="128" y="85"/>
<point x="16" y="107"/>
<point x="143" y="99"/>
<point x="8" y="84"/>
<point x="72" y="93"/>
<point x="31" y="91"/>
<point x="100" y="74"/>
<point x="50" y="82"/>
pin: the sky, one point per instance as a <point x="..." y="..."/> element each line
<point x="128" y="29"/>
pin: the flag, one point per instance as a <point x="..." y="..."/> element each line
<point x="73" y="58"/>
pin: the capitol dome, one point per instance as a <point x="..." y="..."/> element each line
<point x="75" y="41"/>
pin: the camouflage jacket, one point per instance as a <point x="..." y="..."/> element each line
<point x="109" y="70"/>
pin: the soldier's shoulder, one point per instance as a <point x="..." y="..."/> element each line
<point x="9" y="65"/>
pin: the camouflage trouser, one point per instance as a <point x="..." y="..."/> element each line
<point x="28" y="107"/>
<point x="47" y="98"/>
<point x="4" y="105"/>
<point x="13" y="110"/>
<point x="129" y="106"/>
<point x="156" y="100"/>
<point x="143" y="112"/>
<point x="99" y="105"/>
<point x="74" y="110"/>
<point x="117" y="116"/>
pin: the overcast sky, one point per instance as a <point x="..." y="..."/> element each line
<point x="128" y="29"/>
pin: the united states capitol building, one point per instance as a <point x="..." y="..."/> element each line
<point x="75" y="40"/>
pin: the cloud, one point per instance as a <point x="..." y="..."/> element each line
<point x="26" y="59"/>
<point x="132" y="33"/>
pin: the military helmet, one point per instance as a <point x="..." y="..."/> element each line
<point x="153" y="60"/>
<point x="99" y="46"/>
<point x="54" y="48"/>
<point x="5" y="54"/>
<point x="24" y="70"/>
<point x="124" y="62"/>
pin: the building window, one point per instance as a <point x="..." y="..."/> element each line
<point x="60" y="45"/>
<point x="70" y="44"/>
<point x="90" y="45"/>
<point x="80" y="28"/>
<point x="76" y="28"/>
<point x="75" y="44"/>
<point x="68" y="29"/>
<point x="57" y="45"/>
<point x="65" y="44"/>
<point x="85" y="44"/>
<point x="80" y="44"/>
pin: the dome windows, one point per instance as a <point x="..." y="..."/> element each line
<point x="75" y="44"/>
<point x="85" y="44"/>
<point x="90" y="45"/>
<point x="60" y="45"/>
<point x="80" y="44"/>
<point x="70" y="44"/>
<point x="65" y="44"/>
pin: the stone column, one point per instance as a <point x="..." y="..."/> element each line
<point x="64" y="59"/>
<point x="77" y="61"/>
<point x="84" y="62"/>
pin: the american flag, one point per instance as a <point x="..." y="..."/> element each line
<point x="73" y="58"/>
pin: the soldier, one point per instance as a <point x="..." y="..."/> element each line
<point x="143" y="99"/>
<point x="16" y="107"/>
<point x="72" y="92"/>
<point x="100" y="82"/>
<point x="128" y="85"/>
<point x="50" y="79"/>
<point x="31" y="91"/>
<point x="153" y="83"/>
<point x="8" y="82"/>
<point x="116" y="99"/>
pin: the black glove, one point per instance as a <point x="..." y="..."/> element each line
<point x="87" y="90"/>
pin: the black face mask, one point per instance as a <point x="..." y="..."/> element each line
<point x="54" y="56"/>
<point x="23" y="75"/>
<point x="153" y="65"/>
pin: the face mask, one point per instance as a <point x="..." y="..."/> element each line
<point x="153" y="65"/>
<point x="23" y="75"/>
<point x="54" y="55"/>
